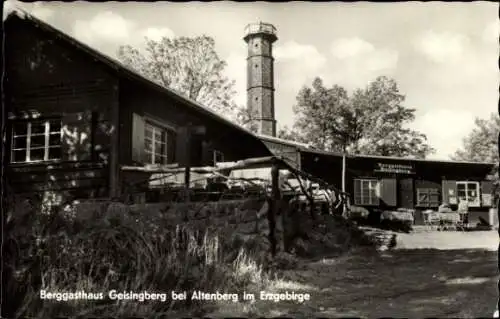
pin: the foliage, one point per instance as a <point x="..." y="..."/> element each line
<point x="245" y="117"/>
<point x="481" y="144"/>
<point x="290" y="134"/>
<point x="190" y="66"/>
<point x="370" y="121"/>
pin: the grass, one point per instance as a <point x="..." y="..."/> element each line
<point x="59" y="253"/>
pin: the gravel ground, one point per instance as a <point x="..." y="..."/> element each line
<point x="423" y="238"/>
<point x="445" y="274"/>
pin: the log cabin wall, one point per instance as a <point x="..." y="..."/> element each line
<point x="388" y="183"/>
<point x="47" y="79"/>
<point x="420" y="185"/>
<point x="142" y="105"/>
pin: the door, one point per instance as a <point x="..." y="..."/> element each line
<point x="406" y="193"/>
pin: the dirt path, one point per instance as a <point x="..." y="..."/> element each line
<point x="399" y="283"/>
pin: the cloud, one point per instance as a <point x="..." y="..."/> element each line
<point x="296" y="64"/>
<point x="350" y="47"/>
<point x="157" y="34"/>
<point x="40" y="11"/>
<point x="491" y="32"/>
<point x="445" y="47"/>
<point x="107" y="30"/>
<point x="356" y="62"/>
<point x="236" y="70"/>
<point x="446" y="139"/>
<point x="105" y="26"/>
<point x="308" y="55"/>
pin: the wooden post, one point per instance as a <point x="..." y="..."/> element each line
<point x="344" y="176"/>
<point x="343" y="172"/>
<point x="114" y="170"/>
<point x="273" y="207"/>
<point x="187" y="170"/>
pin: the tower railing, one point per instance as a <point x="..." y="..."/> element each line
<point x="260" y="28"/>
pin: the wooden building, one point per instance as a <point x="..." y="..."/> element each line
<point x="387" y="183"/>
<point x="76" y="116"/>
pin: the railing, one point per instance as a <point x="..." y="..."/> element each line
<point x="164" y="180"/>
<point x="260" y="28"/>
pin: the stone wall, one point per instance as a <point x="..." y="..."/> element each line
<point x="239" y="222"/>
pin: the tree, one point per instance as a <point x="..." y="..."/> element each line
<point x="246" y="118"/>
<point x="481" y="144"/>
<point x="371" y="121"/>
<point x="290" y="134"/>
<point x="190" y="66"/>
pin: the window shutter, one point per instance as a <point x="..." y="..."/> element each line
<point x="196" y="150"/>
<point x="207" y="154"/>
<point x="171" y="147"/>
<point x="77" y="136"/>
<point x="183" y="146"/>
<point x="487" y="193"/>
<point x="450" y="192"/>
<point x="357" y="191"/>
<point x="406" y="191"/>
<point x="138" y="127"/>
<point x="388" y="191"/>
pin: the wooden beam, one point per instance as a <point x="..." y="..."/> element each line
<point x="273" y="207"/>
<point x="247" y="163"/>
<point x="114" y="168"/>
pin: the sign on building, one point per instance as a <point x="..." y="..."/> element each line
<point x="394" y="168"/>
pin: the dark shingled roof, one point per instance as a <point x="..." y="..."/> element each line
<point x="128" y="73"/>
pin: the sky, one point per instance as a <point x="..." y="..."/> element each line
<point x="444" y="56"/>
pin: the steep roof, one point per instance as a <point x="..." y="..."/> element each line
<point x="123" y="70"/>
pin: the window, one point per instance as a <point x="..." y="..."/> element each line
<point x="427" y="197"/>
<point x="218" y="157"/>
<point x="469" y="191"/>
<point x="36" y="141"/>
<point x="155" y="144"/>
<point x="366" y="191"/>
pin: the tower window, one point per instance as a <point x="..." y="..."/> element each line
<point x="256" y="44"/>
<point x="256" y="66"/>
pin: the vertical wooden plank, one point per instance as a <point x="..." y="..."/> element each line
<point x="171" y="147"/>
<point x="389" y="191"/>
<point x="138" y="128"/>
<point x="182" y="148"/>
<point x="195" y="149"/>
<point x="207" y="158"/>
<point x="344" y="168"/>
<point x="357" y="192"/>
<point x="185" y="152"/>
<point x="114" y="165"/>
<point x="273" y="207"/>
<point x="406" y="193"/>
<point x="486" y="193"/>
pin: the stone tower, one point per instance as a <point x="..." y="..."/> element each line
<point x="260" y="76"/>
